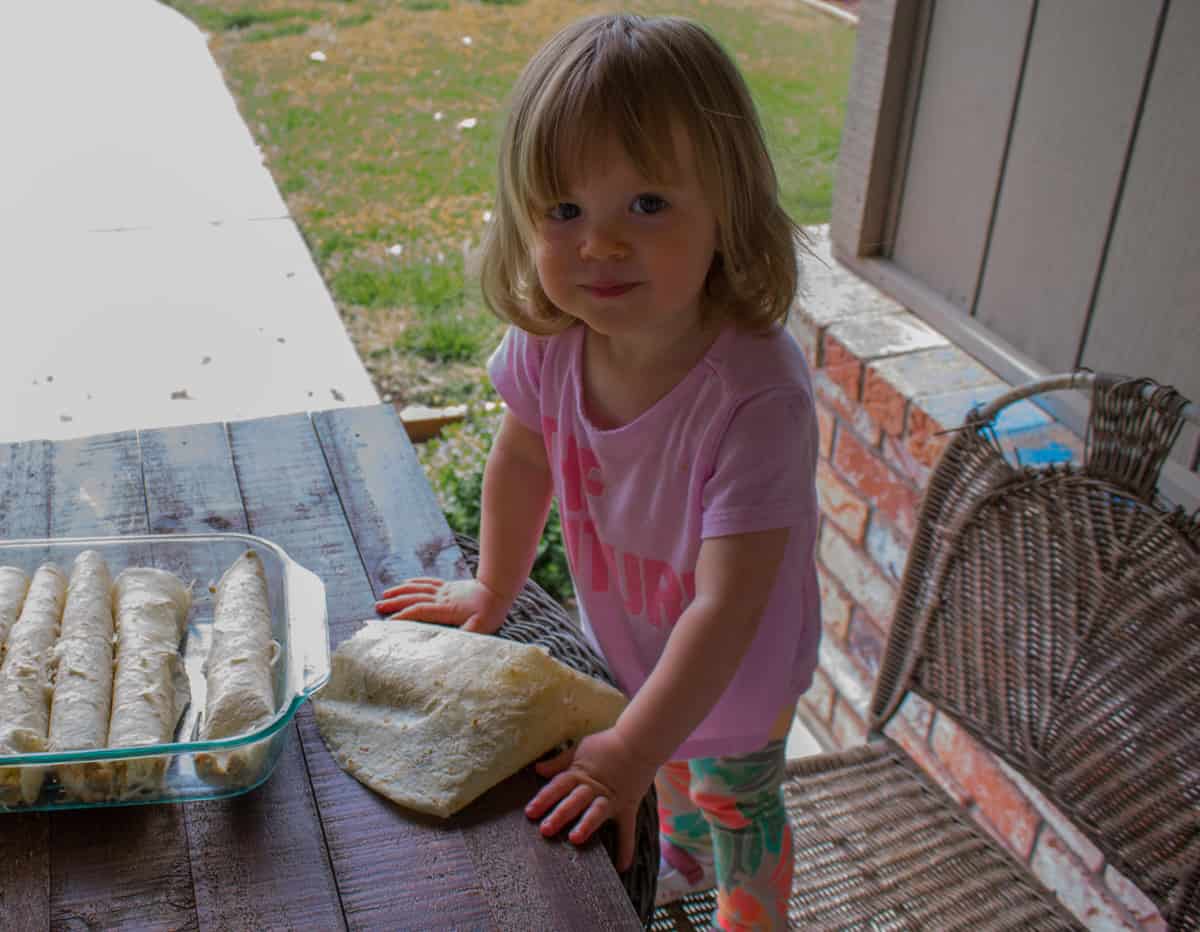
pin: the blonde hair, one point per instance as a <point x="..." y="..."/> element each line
<point x="637" y="78"/>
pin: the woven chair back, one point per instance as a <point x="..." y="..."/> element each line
<point x="1054" y="613"/>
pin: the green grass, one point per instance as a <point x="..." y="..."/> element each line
<point x="427" y="287"/>
<point x="207" y="16"/>
<point x="355" y="146"/>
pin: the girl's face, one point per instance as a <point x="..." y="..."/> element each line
<point x="626" y="256"/>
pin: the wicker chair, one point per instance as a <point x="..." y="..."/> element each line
<point x="536" y="618"/>
<point x="1054" y="613"/>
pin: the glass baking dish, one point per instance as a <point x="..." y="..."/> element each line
<point x="299" y="624"/>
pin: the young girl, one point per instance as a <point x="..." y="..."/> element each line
<point x="640" y="252"/>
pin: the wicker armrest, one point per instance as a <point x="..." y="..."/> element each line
<point x="536" y="618"/>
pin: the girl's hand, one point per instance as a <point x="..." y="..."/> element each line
<point x="601" y="779"/>
<point x="464" y="602"/>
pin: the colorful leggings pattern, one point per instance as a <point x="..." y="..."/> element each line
<point x="733" y="808"/>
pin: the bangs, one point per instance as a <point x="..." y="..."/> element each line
<point x="610" y="89"/>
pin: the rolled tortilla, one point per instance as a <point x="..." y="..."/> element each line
<point x="26" y="682"/>
<point x="241" y="691"/>
<point x="432" y="717"/>
<point x="84" y="676"/>
<point x="13" y="586"/>
<point x="150" y="686"/>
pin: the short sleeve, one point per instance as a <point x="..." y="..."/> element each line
<point x="764" y="472"/>
<point x="516" y="372"/>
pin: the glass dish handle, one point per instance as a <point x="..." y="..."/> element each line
<point x="310" y="629"/>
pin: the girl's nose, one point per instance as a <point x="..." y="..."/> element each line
<point x="603" y="244"/>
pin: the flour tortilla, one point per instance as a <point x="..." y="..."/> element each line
<point x="432" y="717"/>
<point x="241" y="690"/>
<point x="26" y="681"/>
<point x="150" y="686"/>
<point x="84" y="676"/>
<point x="13" y="586"/>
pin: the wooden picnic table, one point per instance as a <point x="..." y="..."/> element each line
<point x="342" y="492"/>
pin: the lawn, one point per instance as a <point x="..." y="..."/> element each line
<point x="379" y="120"/>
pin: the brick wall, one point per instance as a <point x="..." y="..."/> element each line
<point x="886" y="385"/>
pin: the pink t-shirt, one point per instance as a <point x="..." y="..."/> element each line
<point x="731" y="449"/>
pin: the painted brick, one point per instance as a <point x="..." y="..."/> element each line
<point x="934" y="371"/>
<point x="835" y="606"/>
<point x="845" y="407"/>
<point x="864" y="643"/>
<point x="848" y="729"/>
<point x="898" y="455"/>
<point x="826" y="424"/>
<point x="863" y="582"/>
<point x="918" y="713"/>
<point x="978" y="771"/>
<point x="840" y="503"/>
<point x="820" y="695"/>
<point x="888" y="548"/>
<point x="868" y="337"/>
<point x="916" y="748"/>
<point x="925" y="438"/>
<point x="829" y="291"/>
<point x="981" y="819"/>
<point x="1052" y="444"/>
<point x="867" y="472"/>
<point x="808" y="335"/>
<point x="885" y="405"/>
<point x="1058" y="868"/>
<point x="841" y="368"/>
<point x="846" y="677"/>
<point x="1091" y="856"/>
<point x="950" y="409"/>
<point x="1134" y="900"/>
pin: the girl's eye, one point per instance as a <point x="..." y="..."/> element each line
<point x="563" y="211"/>
<point x="648" y="204"/>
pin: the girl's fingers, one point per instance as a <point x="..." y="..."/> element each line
<point x="399" y="602"/>
<point x="415" y="585"/>
<point x="596" y="815"/>
<point x="411" y="587"/>
<point x="550" y="794"/>
<point x="437" y="612"/>
<point x="567" y="811"/>
<point x="415" y="581"/>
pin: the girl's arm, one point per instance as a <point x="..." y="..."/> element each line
<point x="607" y="775"/>
<point x="517" y="489"/>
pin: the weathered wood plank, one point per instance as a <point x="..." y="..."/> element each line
<point x="535" y="883"/>
<point x="1071" y="133"/>
<point x="25" y="868"/>
<point x="958" y="142"/>
<point x="1147" y="311"/>
<point x="126" y="866"/>
<point x="397" y="524"/>
<point x="400" y="531"/>
<point x="259" y="861"/>
<point x="393" y="870"/>
<point x="24" y="489"/>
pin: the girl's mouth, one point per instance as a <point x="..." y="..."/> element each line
<point x="609" y="289"/>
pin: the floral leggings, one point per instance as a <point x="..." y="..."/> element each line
<point x="732" y="808"/>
